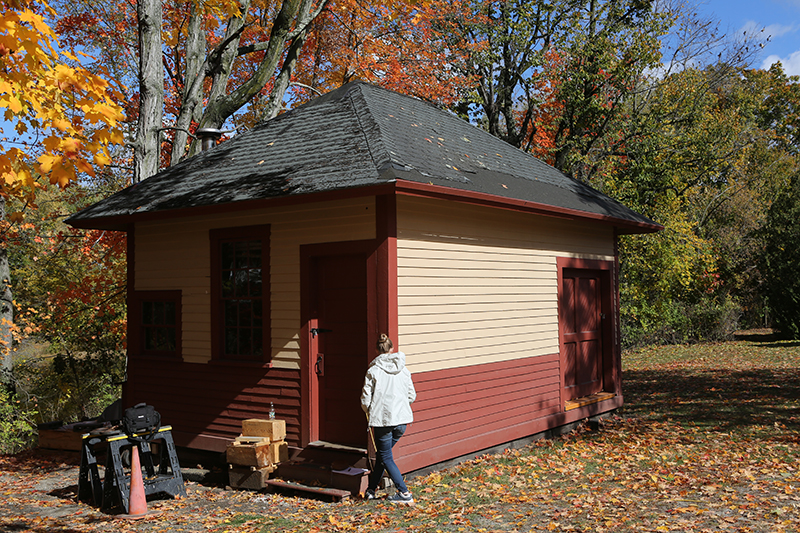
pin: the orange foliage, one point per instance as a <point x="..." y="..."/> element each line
<point x="63" y="116"/>
<point x="401" y="46"/>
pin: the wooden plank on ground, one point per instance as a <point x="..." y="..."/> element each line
<point x="588" y="400"/>
<point x="336" y="494"/>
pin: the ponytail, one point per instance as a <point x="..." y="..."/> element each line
<point x="385" y="344"/>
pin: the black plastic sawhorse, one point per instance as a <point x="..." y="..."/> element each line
<point x="116" y="485"/>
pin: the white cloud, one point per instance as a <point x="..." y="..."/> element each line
<point x="791" y="64"/>
<point x="755" y="30"/>
<point x="777" y="30"/>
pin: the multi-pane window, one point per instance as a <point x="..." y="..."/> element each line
<point x="242" y="303"/>
<point x="156" y="316"/>
<point x="159" y="326"/>
<point x="240" y="272"/>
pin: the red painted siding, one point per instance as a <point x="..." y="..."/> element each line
<point x="465" y="410"/>
<point x="206" y="403"/>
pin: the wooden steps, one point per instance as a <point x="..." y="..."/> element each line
<point x="588" y="400"/>
<point x="323" y="465"/>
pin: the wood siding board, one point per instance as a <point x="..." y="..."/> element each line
<point x="435" y="413"/>
<point x="504" y="399"/>
<point x="488" y="272"/>
<point x="462" y="423"/>
<point x="444" y="220"/>
<point x="414" y="306"/>
<point x="435" y="379"/>
<point x="455" y="349"/>
<point x="456" y="322"/>
<point x="460" y="325"/>
<point x="474" y="343"/>
<point x="473" y="302"/>
<point x="415" y="454"/>
<point x="213" y="399"/>
<point x="499" y="291"/>
<point x="416" y="252"/>
<point x="479" y="385"/>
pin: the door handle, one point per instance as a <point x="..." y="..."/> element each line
<point x="319" y="366"/>
<point x="317" y="331"/>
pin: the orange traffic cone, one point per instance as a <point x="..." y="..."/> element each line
<point x="137" y="503"/>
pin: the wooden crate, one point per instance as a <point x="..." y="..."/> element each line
<point x="278" y="451"/>
<point x="354" y="482"/>
<point x="249" y="478"/>
<point x="248" y="453"/>
<point x="274" y="430"/>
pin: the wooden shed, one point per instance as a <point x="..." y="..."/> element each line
<point x="262" y="271"/>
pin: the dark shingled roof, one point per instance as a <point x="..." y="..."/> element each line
<point x="356" y="136"/>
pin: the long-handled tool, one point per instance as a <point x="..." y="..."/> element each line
<point x="371" y="459"/>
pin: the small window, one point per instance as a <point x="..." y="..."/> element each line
<point x="156" y="323"/>
<point x="240" y="308"/>
<point x="158" y="326"/>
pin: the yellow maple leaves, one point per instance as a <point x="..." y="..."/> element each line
<point x="65" y="117"/>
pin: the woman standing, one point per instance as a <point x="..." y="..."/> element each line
<point x="386" y="398"/>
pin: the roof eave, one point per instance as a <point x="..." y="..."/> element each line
<point x="396" y="186"/>
<point x="623" y="226"/>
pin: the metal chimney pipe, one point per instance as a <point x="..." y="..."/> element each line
<point x="208" y="137"/>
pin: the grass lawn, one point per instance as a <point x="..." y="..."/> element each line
<point x="708" y="441"/>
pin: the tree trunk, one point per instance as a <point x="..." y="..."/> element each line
<point x="287" y="36"/>
<point x="6" y="310"/>
<point x="151" y="90"/>
<point x="193" y="83"/>
<point x="290" y="24"/>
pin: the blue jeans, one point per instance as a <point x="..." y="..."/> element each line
<point x="385" y="439"/>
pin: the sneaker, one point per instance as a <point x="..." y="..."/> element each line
<point x="401" y="497"/>
<point x="369" y="495"/>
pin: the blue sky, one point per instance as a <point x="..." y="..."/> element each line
<point x="780" y="19"/>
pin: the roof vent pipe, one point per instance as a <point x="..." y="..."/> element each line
<point x="208" y="137"/>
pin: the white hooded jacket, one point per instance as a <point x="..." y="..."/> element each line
<point x="388" y="391"/>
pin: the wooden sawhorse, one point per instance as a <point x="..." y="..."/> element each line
<point x="116" y="485"/>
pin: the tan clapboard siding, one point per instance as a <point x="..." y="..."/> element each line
<point x="479" y="285"/>
<point x="450" y="313"/>
<point x="484" y="328"/>
<point x="474" y="257"/>
<point x="478" y="352"/>
<point x="469" y="288"/>
<point x="463" y="304"/>
<point x="175" y="255"/>
<point x="437" y="221"/>
<point x="451" y="317"/>
<point x="449" y="222"/>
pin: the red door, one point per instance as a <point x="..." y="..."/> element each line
<point x="582" y="338"/>
<point x="339" y="329"/>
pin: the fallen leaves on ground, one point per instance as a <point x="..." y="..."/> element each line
<point x="708" y="442"/>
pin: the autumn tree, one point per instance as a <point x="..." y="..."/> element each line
<point x="505" y="44"/>
<point x="402" y="46"/>
<point x="63" y="120"/>
<point x="229" y="64"/>
<point x="780" y="259"/>
<point x="72" y="302"/>
<point x="707" y="166"/>
<point x="553" y="77"/>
